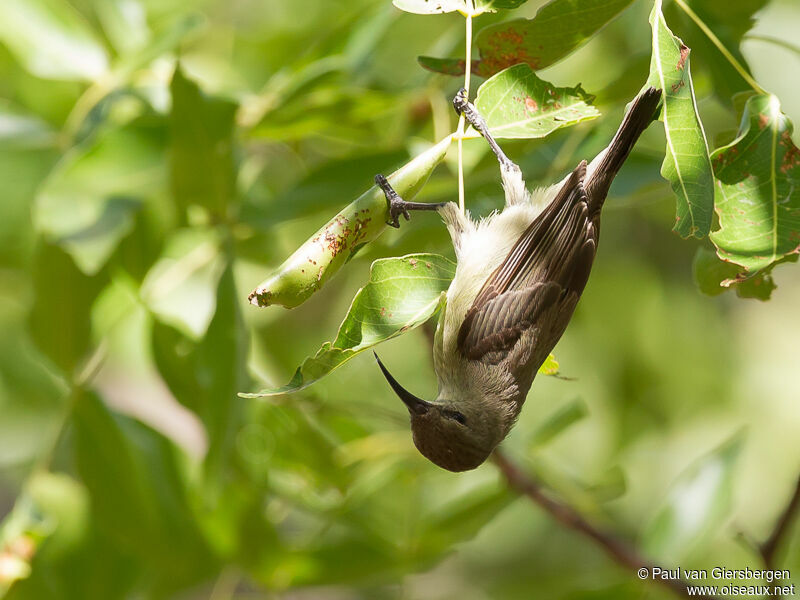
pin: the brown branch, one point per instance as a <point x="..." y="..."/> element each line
<point x="779" y="532"/>
<point x="622" y="552"/>
<point x="770" y="547"/>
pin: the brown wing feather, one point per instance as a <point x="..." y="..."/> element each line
<point x="540" y="279"/>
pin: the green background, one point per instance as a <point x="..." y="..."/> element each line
<point x="139" y="209"/>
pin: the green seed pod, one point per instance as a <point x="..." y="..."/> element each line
<point x="363" y="220"/>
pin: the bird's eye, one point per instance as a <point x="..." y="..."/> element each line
<point x="456" y="416"/>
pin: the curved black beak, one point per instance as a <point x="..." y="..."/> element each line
<point x="418" y="406"/>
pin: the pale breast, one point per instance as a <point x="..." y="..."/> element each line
<point x="482" y="250"/>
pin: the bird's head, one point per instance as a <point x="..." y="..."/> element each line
<point x="455" y="434"/>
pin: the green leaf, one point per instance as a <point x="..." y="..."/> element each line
<point x="558" y="29"/>
<point x="494" y="5"/>
<point x="364" y="219"/>
<point x="59" y="318"/>
<point x="696" y="507"/>
<point x="163" y="41"/>
<point x="138" y="496"/>
<point x="517" y="104"/>
<point x="713" y="276"/>
<point x="181" y="288"/>
<point x="202" y="163"/>
<point x="402" y="293"/>
<point x="206" y="375"/>
<point x="758" y="200"/>
<point x="686" y="164"/>
<point x="124" y="23"/>
<point x="550" y="366"/>
<point x="567" y="415"/>
<point x="88" y="203"/>
<point x="51" y="40"/>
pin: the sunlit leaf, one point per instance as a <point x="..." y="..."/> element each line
<point x="181" y="288"/>
<point x="90" y="199"/>
<point x="557" y="30"/>
<point x="758" y="200"/>
<point x="125" y="24"/>
<point x="432" y="7"/>
<point x="402" y="293"/>
<point x="51" y="39"/>
<point x="517" y="104"/>
<point x="686" y="165"/>
<point x="698" y="503"/>
<point x="550" y="366"/>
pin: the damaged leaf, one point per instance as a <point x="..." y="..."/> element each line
<point x="757" y="195"/>
<point x="517" y="104"/>
<point x="686" y="164"/>
<point x="558" y="29"/>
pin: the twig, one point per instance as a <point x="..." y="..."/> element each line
<point x="619" y="550"/>
<point x="775" y="539"/>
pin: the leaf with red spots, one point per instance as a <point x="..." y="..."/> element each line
<point x="686" y="164"/>
<point x="558" y="29"/>
<point x="758" y="191"/>
<point x="517" y="104"/>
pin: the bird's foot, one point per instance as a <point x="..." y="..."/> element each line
<point x="396" y="206"/>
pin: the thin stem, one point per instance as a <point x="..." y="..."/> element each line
<point x="715" y="40"/>
<point x="623" y="553"/>
<point x="461" y="120"/>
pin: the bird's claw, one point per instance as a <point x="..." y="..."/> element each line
<point x="394" y="203"/>
<point x="397" y="207"/>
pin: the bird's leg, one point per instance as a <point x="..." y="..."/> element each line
<point x="516" y="191"/>
<point x="465" y="107"/>
<point x="397" y="206"/>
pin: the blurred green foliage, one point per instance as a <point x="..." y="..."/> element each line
<point x="160" y="158"/>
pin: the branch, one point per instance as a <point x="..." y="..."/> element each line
<point x="619" y="550"/>
<point x="773" y="542"/>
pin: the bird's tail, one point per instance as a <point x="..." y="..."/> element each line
<point x="604" y="167"/>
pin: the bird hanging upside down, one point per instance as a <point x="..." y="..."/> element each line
<point x="520" y="275"/>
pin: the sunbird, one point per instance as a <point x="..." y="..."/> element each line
<point x="519" y="277"/>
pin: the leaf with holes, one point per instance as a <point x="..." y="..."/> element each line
<point x="517" y="104"/>
<point x="758" y="195"/>
<point x="402" y="293"/>
<point x="558" y="29"/>
<point x="686" y="165"/>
